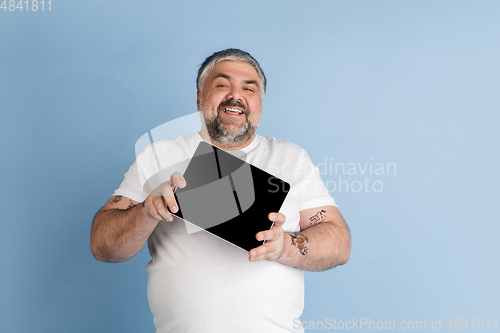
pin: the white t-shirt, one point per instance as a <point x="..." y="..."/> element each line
<point x="200" y="283"/>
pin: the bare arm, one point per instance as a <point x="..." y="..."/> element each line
<point x="122" y="227"/>
<point x="323" y="242"/>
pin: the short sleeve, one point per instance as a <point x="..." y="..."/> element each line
<point x="154" y="165"/>
<point x="131" y="185"/>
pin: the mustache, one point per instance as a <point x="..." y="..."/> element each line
<point x="231" y="102"/>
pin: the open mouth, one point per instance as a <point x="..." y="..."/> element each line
<point x="233" y="111"/>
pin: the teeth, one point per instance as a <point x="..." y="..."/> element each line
<point x="234" y="110"/>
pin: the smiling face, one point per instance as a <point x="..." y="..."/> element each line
<point x="231" y="103"/>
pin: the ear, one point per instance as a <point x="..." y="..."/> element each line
<point x="198" y="99"/>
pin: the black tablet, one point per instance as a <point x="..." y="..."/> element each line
<point x="229" y="197"/>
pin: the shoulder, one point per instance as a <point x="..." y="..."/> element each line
<point x="283" y="159"/>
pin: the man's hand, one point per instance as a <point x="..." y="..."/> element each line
<point x="273" y="248"/>
<point x="122" y="227"/>
<point x="162" y="197"/>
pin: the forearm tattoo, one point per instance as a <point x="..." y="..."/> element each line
<point x="119" y="198"/>
<point x="300" y="242"/>
<point x="116" y="199"/>
<point x="317" y="218"/>
<point x="131" y="204"/>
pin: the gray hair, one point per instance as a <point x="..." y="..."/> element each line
<point x="233" y="55"/>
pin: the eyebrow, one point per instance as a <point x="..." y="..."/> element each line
<point x="222" y="75"/>
<point x="252" y="82"/>
<point x="225" y="76"/>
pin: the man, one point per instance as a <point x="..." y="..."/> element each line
<point x="198" y="282"/>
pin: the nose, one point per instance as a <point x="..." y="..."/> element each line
<point x="234" y="93"/>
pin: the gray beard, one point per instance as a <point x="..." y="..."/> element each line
<point x="218" y="131"/>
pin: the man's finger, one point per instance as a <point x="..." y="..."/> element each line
<point x="278" y="219"/>
<point x="263" y="252"/>
<point x="259" y="253"/>
<point x="177" y="180"/>
<point x="159" y="204"/>
<point x="168" y="197"/>
<point x="268" y="235"/>
<point x="277" y="225"/>
<point x="273" y="233"/>
<point x="148" y="205"/>
<point x="156" y="209"/>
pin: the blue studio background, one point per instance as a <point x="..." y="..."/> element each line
<point x="397" y="103"/>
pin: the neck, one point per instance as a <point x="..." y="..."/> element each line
<point x="204" y="135"/>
